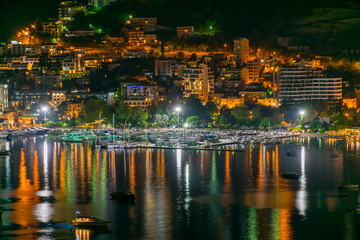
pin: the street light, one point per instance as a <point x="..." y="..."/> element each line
<point x="178" y="110"/>
<point x="302" y="112"/>
<point x="44" y="109"/>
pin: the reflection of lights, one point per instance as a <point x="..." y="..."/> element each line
<point x="301" y="197"/>
<point x="178" y="163"/>
<point x="46" y="180"/>
<point x="43" y="212"/>
<point x="83" y="234"/>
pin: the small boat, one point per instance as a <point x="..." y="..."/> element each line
<point x="348" y="186"/>
<point x="123" y="196"/>
<point x="290" y="175"/>
<point x="5" y="153"/>
<point x="291" y="154"/>
<point x="82" y="220"/>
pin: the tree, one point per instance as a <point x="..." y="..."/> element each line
<point x="180" y="55"/>
<point x="194" y="121"/>
<point x="138" y="116"/>
<point x="92" y="108"/>
<point x="241" y="114"/>
<point x="193" y="57"/>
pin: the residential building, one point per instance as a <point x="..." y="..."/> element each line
<point x="231" y="102"/>
<point x="163" y="66"/>
<point x="199" y="82"/>
<point x="71" y="65"/>
<point x="57" y="97"/>
<point x="185" y="32"/>
<point x="178" y="69"/>
<point x="135" y="36"/>
<point x="141" y="95"/>
<point x="68" y="9"/>
<point x="135" y="53"/>
<point x="145" y="24"/>
<point x="4" y="97"/>
<point x="297" y="83"/>
<point x="241" y="51"/>
<point x="51" y="28"/>
<point x="254" y="70"/>
<point x="48" y="81"/>
<point x="80" y="33"/>
<point x="27" y="98"/>
<point x="269" y="102"/>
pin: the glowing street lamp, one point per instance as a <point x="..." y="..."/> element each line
<point x="45" y="109"/>
<point x="178" y="110"/>
<point x="302" y="112"/>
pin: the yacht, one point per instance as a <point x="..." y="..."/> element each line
<point x="82" y="220"/>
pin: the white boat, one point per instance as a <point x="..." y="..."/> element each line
<point x="87" y="221"/>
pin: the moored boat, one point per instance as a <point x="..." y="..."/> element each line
<point x="82" y="220"/>
<point x="290" y="175"/>
<point x="348" y="186"/>
<point x="123" y="196"/>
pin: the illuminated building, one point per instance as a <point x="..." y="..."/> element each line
<point x="269" y="102"/>
<point x="48" y="81"/>
<point x="254" y="70"/>
<point x="68" y="9"/>
<point x="134" y="53"/>
<point x="57" y="97"/>
<point x="297" y="83"/>
<point x="100" y="3"/>
<point x="241" y="51"/>
<point x="135" y="36"/>
<point x="199" y="82"/>
<point x="4" y="97"/>
<point x="51" y="28"/>
<point x="231" y="102"/>
<point x="80" y="33"/>
<point x="71" y="66"/>
<point x="350" y="102"/>
<point x="185" y="32"/>
<point x="253" y="92"/>
<point x="150" y="39"/>
<point x="163" y="66"/>
<point x="138" y="95"/>
<point x="177" y="69"/>
<point x="27" y="98"/>
<point x="145" y="24"/>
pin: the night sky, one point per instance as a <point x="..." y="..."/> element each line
<point x="17" y="13"/>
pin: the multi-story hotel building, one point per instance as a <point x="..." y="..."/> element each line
<point x="199" y="82"/>
<point x="299" y="83"/>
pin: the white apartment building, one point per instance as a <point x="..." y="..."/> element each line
<point x="298" y="83"/>
<point x="199" y="82"/>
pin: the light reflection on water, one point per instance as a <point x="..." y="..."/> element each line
<point x="180" y="194"/>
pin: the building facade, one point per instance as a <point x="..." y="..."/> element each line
<point x="199" y="82"/>
<point x="241" y="51"/>
<point x="296" y="83"/>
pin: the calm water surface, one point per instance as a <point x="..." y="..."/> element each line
<point x="180" y="194"/>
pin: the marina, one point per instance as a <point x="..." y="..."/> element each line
<point x="43" y="182"/>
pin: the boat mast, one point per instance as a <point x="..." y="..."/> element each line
<point x="113" y="127"/>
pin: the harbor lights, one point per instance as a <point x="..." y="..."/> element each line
<point x="178" y="110"/>
<point x="302" y="123"/>
<point x="44" y="109"/>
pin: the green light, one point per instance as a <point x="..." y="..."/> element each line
<point x="211" y="27"/>
<point x="90" y="25"/>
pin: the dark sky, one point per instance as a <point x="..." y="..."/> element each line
<point x="16" y="13"/>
